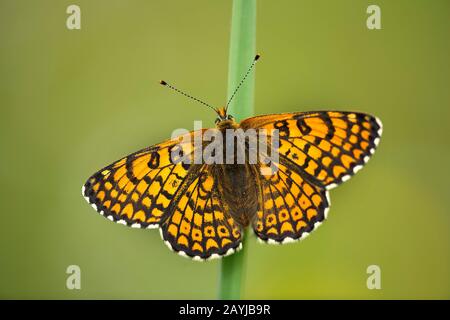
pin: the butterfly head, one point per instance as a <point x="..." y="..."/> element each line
<point x="223" y="119"/>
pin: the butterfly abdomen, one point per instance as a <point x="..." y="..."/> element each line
<point x="238" y="189"/>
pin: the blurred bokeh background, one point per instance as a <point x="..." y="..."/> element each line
<point x="73" y="101"/>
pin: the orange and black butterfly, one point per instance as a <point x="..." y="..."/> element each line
<point x="202" y="210"/>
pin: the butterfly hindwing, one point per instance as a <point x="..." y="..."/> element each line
<point x="291" y="207"/>
<point x="329" y="146"/>
<point x="198" y="226"/>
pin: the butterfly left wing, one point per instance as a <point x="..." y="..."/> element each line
<point x="329" y="146"/>
<point x="152" y="188"/>
<point x="290" y="207"/>
<point x="137" y="189"/>
<point x="199" y="226"/>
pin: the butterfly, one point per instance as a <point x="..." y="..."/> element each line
<point x="201" y="209"/>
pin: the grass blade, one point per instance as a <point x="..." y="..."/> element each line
<point x="242" y="52"/>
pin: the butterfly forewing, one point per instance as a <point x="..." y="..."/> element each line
<point x="329" y="146"/>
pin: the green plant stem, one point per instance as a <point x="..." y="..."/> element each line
<point x="242" y="52"/>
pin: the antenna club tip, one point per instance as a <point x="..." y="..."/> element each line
<point x="162" y="82"/>
<point x="257" y="57"/>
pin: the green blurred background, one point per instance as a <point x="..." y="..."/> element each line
<point x="74" y="101"/>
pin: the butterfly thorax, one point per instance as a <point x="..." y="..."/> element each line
<point x="227" y="124"/>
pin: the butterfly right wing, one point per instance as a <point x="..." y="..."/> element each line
<point x="290" y="207"/>
<point x="329" y="146"/>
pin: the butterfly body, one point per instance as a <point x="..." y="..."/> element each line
<point x="202" y="209"/>
<point x="237" y="182"/>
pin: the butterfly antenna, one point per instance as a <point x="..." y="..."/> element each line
<point x="242" y="81"/>
<point x="162" y="82"/>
